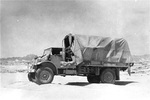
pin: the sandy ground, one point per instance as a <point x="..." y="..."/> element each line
<point x="15" y="86"/>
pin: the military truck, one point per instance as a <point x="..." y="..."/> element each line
<point x="100" y="59"/>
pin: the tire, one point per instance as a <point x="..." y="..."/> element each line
<point x="108" y="76"/>
<point x="44" y="75"/>
<point x="31" y="77"/>
<point x="93" y="79"/>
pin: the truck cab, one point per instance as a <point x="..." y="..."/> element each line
<point x="43" y="68"/>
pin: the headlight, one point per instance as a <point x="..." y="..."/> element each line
<point x="37" y="61"/>
<point x="30" y="68"/>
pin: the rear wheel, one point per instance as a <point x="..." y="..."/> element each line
<point x="93" y="78"/>
<point x="108" y="76"/>
<point x="44" y="75"/>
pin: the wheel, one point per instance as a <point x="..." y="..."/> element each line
<point x="108" y="76"/>
<point x="93" y="79"/>
<point x="31" y="77"/>
<point x="44" y="75"/>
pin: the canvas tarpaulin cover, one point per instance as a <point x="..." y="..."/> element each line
<point x="96" y="48"/>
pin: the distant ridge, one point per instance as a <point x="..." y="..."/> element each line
<point x="29" y="57"/>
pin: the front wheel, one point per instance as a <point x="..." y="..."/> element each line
<point x="31" y="77"/>
<point x="108" y="76"/>
<point x="44" y="75"/>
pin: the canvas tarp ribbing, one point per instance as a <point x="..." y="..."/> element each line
<point x="96" y="48"/>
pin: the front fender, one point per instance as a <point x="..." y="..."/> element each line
<point x="48" y="64"/>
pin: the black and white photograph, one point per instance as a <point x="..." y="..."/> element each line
<point x="74" y="49"/>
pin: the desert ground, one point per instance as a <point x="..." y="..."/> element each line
<point x="15" y="86"/>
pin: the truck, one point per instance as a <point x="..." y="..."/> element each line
<point x="100" y="59"/>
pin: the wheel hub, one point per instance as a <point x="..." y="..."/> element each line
<point x="108" y="77"/>
<point x="45" y="75"/>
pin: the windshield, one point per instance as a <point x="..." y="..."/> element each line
<point x="47" y="51"/>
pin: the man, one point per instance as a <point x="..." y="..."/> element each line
<point x="72" y="56"/>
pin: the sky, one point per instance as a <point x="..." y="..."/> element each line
<point x="30" y="26"/>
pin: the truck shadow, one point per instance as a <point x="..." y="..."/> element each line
<point x="123" y="83"/>
<point x="78" y="83"/>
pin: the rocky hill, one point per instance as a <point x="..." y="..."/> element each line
<point x="14" y="60"/>
<point x="141" y="58"/>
